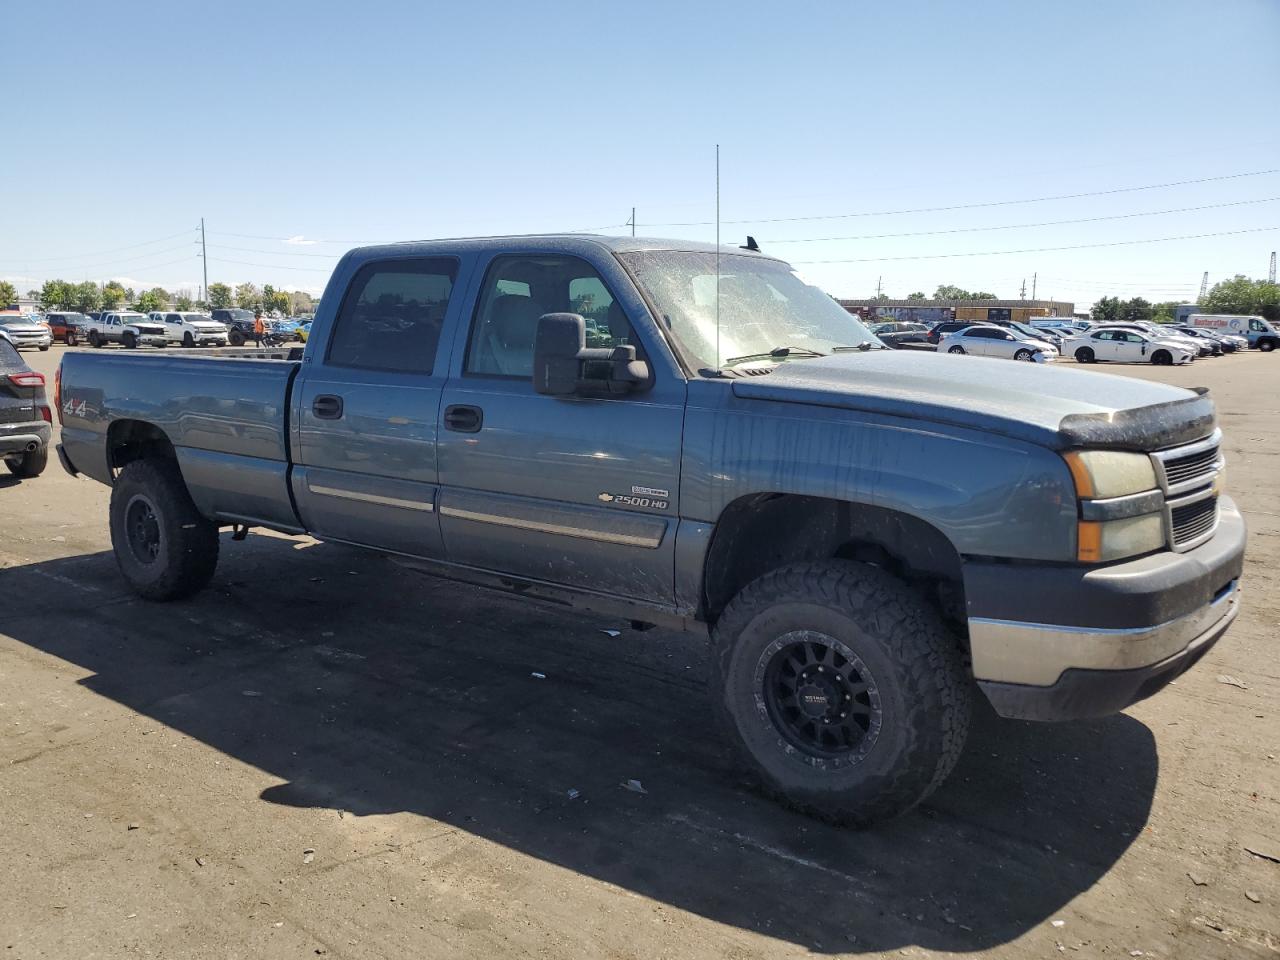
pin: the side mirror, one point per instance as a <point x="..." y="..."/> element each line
<point x="564" y="366"/>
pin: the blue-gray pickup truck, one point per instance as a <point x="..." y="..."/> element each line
<point x="689" y="436"/>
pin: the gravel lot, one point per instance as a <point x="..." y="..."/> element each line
<point x="328" y="754"/>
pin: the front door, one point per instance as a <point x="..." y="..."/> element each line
<point x="576" y="491"/>
<point x="365" y="411"/>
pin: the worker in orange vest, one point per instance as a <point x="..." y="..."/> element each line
<point x="259" y="327"/>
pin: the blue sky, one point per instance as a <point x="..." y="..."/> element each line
<point x="388" y="120"/>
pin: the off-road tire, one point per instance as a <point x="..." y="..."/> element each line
<point x="1085" y="355"/>
<point x="129" y="340"/>
<point x="235" y="338"/>
<point x="95" y="339"/>
<point x="29" y="465"/>
<point x="956" y="349"/>
<point x="921" y="683"/>
<point x="187" y="542"/>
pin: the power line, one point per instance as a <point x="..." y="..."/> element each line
<point x="974" y="206"/>
<point x="269" y="266"/>
<point x="1020" y="226"/>
<point x="99" y="253"/>
<point x="1078" y="246"/>
<point x="80" y="268"/>
<point x="276" y="253"/>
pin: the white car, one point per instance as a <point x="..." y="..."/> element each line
<point x="1158" y="332"/>
<point x="192" y="329"/>
<point x="1114" y="345"/>
<point x="1000" y="342"/>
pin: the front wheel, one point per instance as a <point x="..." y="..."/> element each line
<point x="188" y="340"/>
<point x="43" y="349"/>
<point x="956" y="350"/>
<point x="72" y="340"/>
<point x="236" y="338"/>
<point x="1267" y="345"/>
<point x="840" y="689"/>
<point x="29" y="465"/>
<point x="164" y="548"/>
<point x="1024" y="355"/>
<point x="95" y="339"/>
<point x="1084" y="355"/>
<point x="129" y="340"/>
<point x="1162" y="358"/>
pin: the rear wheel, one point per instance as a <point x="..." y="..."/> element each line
<point x="129" y="340"/>
<point x="29" y="465"/>
<point x="840" y="689"/>
<point x="1024" y="355"/>
<point x="164" y="548"/>
<point x="956" y="349"/>
<point x="1085" y="355"/>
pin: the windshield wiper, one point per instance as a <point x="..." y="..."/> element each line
<point x="776" y="353"/>
<point x="864" y="346"/>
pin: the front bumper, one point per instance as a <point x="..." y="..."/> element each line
<point x="1070" y="642"/>
<point x="21" y="341"/>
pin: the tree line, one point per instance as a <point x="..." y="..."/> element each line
<point x="1239" y="295"/>
<point x="89" y="297"/>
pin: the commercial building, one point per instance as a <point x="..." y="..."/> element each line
<point x="935" y="311"/>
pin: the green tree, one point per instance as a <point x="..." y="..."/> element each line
<point x="1163" y="312"/>
<point x="1106" y="310"/>
<point x="8" y="295"/>
<point x="219" y="296"/>
<point x="113" y="295"/>
<point x="1243" y="295"/>
<point x="56" y="294"/>
<point x="85" y="297"/>
<point x="1135" y="309"/>
<point x="300" y="302"/>
<point x="157" y="298"/>
<point x="947" y="291"/>
<point x="248" y="296"/>
<point x="916" y="296"/>
<point x="184" y="303"/>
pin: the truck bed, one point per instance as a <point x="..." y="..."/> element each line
<point x="225" y="413"/>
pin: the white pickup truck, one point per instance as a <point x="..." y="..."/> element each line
<point x="124" y="327"/>
<point x="190" y="329"/>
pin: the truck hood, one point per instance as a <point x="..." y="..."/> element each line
<point x="1051" y="406"/>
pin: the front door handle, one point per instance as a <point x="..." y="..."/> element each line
<point x="327" y="407"/>
<point x="462" y="418"/>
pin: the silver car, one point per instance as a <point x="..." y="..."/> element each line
<point x="26" y="331"/>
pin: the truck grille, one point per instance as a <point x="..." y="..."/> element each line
<point x="1187" y="475"/>
<point x="1189" y="522"/>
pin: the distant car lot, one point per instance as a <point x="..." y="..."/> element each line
<point x="238" y="731"/>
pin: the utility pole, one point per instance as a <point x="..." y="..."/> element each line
<point x="1034" y="277"/>
<point x="878" y="279"/>
<point x="633" y="221"/>
<point x="1022" y="294"/>
<point x="204" y="258"/>
<point x="1271" y="274"/>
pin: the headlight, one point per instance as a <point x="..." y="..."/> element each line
<point x="1102" y="474"/>
<point x="1101" y="540"/>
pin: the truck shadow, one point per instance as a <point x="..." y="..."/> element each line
<point x="375" y="689"/>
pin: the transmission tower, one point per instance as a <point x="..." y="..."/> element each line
<point x="1271" y="274"/>
<point x="1204" y="284"/>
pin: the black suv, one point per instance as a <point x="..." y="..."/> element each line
<point x="239" y="324"/>
<point x="26" y="423"/>
<point x="940" y="330"/>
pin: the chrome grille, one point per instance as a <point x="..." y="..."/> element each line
<point x="1188" y="476"/>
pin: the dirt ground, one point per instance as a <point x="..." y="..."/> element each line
<point x="328" y="754"/>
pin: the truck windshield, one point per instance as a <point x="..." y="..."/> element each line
<point x="765" y="309"/>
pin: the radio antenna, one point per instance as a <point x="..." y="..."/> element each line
<point x="717" y="256"/>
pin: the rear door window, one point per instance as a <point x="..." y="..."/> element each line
<point x="392" y="315"/>
<point x="10" y="359"/>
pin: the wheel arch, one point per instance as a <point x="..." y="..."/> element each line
<point x="129" y="440"/>
<point x="761" y="532"/>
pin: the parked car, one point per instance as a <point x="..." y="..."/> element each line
<point x="1231" y="342"/>
<point x="1113" y="345"/>
<point x="1197" y="348"/>
<point x="940" y="330"/>
<point x="239" y="324"/>
<point x="1260" y="332"/>
<point x="988" y="341"/>
<point x="192" y="329"/>
<point x="902" y="335"/>
<point x="1049" y="335"/>
<point x="26" y="424"/>
<point x="1205" y="339"/>
<point x="304" y="330"/>
<point x="870" y="537"/>
<point x="67" y="326"/>
<point x="127" y="328"/>
<point x="22" y="331"/>
<point x="1063" y="326"/>
<point x="283" y="330"/>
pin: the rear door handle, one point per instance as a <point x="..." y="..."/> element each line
<point x="327" y="407"/>
<point x="462" y="418"/>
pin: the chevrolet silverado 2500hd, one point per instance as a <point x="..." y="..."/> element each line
<point x="694" y="437"/>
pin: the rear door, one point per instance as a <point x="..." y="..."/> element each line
<point x="577" y="491"/>
<point x="365" y="409"/>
